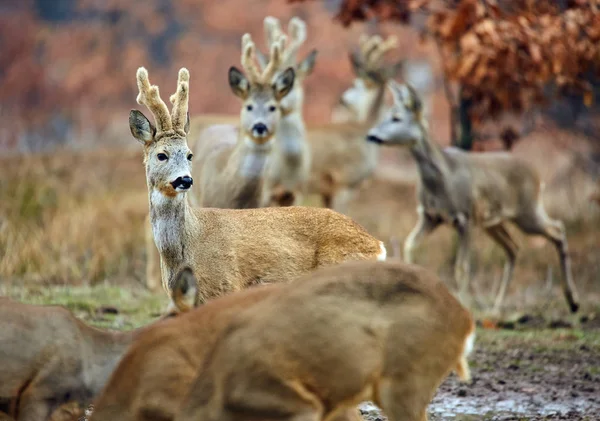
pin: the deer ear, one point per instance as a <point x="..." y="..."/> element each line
<point x="394" y="70"/>
<point x="400" y="92"/>
<point x="140" y="127"/>
<point x="284" y="83"/>
<point x="307" y="65"/>
<point x="238" y="83"/>
<point x="185" y="289"/>
<point x="357" y="64"/>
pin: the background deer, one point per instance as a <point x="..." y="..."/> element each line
<point x="49" y="358"/>
<point x="341" y="159"/>
<point x="471" y="189"/>
<point x="289" y="168"/>
<point x="386" y="332"/>
<point x="229" y="249"/>
<point x="155" y="375"/>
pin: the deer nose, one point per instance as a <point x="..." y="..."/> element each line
<point x="374" y="139"/>
<point x="260" y="129"/>
<point x="184" y="182"/>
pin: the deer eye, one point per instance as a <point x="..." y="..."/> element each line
<point x="249" y="107"/>
<point x="162" y="157"/>
<point x="396" y="119"/>
<point x="272" y="108"/>
<point x="190" y="156"/>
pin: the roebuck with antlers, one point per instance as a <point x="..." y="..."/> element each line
<point x="229" y="249"/>
<point x="386" y="332"/>
<point x="471" y="189"/>
<point x="341" y="159"/>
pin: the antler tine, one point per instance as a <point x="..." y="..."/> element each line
<point x="297" y="33"/>
<point x="377" y="55"/>
<point x="368" y="45"/>
<point x="150" y="97"/>
<point x="248" y="59"/>
<point x="272" y="30"/>
<point x="180" y="101"/>
<point x="274" y="60"/>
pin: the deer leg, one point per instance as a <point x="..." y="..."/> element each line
<point x="502" y="237"/>
<point x="341" y="200"/>
<point x="462" y="266"/>
<point x="153" y="274"/>
<point x="425" y="225"/>
<point x="554" y="231"/>
<point x="402" y="400"/>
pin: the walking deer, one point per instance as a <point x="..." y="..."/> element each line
<point x="341" y="159"/>
<point x="471" y="189"/>
<point x="154" y="377"/>
<point x="386" y="332"/>
<point x="229" y="249"/>
<point x="49" y="357"/>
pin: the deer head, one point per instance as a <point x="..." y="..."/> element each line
<point x="260" y="92"/>
<point x="296" y="36"/>
<point x="404" y="123"/>
<point x="371" y="75"/>
<point x="166" y="153"/>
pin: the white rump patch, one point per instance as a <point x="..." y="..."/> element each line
<point x="383" y="254"/>
<point x="469" y="344"/>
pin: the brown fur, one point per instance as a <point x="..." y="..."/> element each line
<point x="229" y="250"/>
<point x="467" y="190"/>
<point x="154" y="376"/>
<point x="386" y="332"/>
<point x="49" y="357"/>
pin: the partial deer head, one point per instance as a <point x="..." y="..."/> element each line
<point x="166" y="153"/>
<point x="261" y="92"/>
<point x="371" y="76"/>
<point x="289" y="57"/>
<point x="404" y="123"/>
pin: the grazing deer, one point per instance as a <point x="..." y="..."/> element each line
<point x="153" y="378"/>
<point x="471" y="189"/>
<point x="386" y="332"/>
<point x="49" y="357"/>
<point x="341" y="159"/>
<point x="289" y="168"/>
<point x="229" y="249"/>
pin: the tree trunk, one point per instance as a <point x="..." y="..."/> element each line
<point x="465" y="140"/>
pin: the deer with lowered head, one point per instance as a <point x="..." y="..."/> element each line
<point x="341" y="159"/>
<point x="49" y="358"/>
<point x="153" y="378"/>
<point x="466" y="190"/>
<point x="229" y="249"/>
<point x="380" y="331"/>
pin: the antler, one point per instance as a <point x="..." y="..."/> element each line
<point x="374" y="59"/>
<point x="150" y="97"/>
<point x="297" y="36"/>
<point x="274" y="60"/>
<point x="180" y="101"/>
<point x="248" y="59"/>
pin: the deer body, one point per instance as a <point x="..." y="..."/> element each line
<point x="387" y="332"/>
<point x="49" y="358"/>
<point x="467" y="190"/>
<point x="227" y="249"/>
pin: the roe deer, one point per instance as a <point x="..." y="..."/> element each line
<point x="471" y="189"/>
<point x="341" y="159"/>
<point x="229" y="249"/>
<point x="49" y="357"/>
<point x="289" y="168"/>
<point x="232" y="159"/>
<point x="155" y="374"/>
<point x="386" y="332"/>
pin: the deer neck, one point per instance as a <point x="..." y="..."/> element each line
<point x="249" y="158"/>
<point x="102" y="351"/>
<point x="431" y="162"/>
<point x="291" y="134"/>
<point x="172" y="219"/>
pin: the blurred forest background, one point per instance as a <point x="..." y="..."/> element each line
<point x="72" y="187"/>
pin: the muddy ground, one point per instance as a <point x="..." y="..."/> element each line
<point x="524" y="373"/>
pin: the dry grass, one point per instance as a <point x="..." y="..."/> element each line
<point x="77" y="219"/>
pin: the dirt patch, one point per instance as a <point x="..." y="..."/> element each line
<point x="542" y="375"/>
